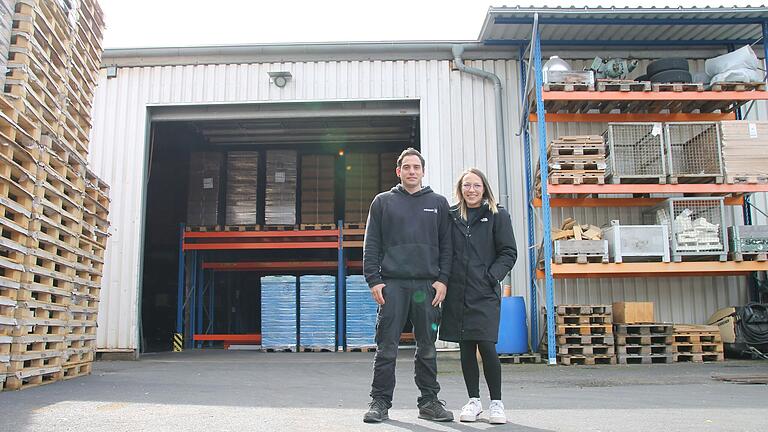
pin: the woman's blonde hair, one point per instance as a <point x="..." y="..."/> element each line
<point x="487" y="192"/>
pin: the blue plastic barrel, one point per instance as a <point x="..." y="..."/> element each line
<point x="513" y="330"/>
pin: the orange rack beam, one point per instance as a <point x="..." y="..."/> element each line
<point x="253" y="246"/>
<point x="261" y="234"/>
<point x="278" y="265"/>
<point x="632" y="117"/>
<point x="657" y="269"/>
<point x="618" y="202"/>
<point x="254" y="338"/>
<point x="704" y="188"/>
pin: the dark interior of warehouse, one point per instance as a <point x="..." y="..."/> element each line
<point x="335" y="166"/>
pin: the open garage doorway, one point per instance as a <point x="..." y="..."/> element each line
<point x="232" y="168"/>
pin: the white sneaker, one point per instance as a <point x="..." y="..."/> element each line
<point x="496" y="411"/>
<point x="471" y="410"/>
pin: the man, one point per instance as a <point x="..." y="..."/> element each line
<point x="406" y="261"/>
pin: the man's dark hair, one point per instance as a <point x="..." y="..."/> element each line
<point x="410" y="151"/>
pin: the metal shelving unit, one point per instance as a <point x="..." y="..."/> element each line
<point x="195" y="261"/>
<point x="577" y="105"/>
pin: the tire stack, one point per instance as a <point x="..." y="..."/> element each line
<point x="667" y="70"/>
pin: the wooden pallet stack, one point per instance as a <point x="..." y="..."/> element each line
<point x="697" y="343"/>
<point x="54" y="223"/>
<point x="744" y="157"/>
<point x="584" y="335"/>
<point x="643" y="343"/>
<point x="578" y="159"/>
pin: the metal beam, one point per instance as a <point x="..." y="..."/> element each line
<point x="631" y="21"/>
<point x="620" y="43"/>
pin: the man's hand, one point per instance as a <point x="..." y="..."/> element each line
<point x="377" y="294"/>
<point x="440" y="289"/>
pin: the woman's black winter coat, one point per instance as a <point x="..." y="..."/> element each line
<point x="484" y="251"/>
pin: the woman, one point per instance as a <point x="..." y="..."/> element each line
<point x="484" y="252"/>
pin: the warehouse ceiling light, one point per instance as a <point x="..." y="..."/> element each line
<point x="279" y="79"/>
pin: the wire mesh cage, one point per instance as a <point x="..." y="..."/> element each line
<point x="694" y="152"/>
<point x="695" y="226"/>
<point x="635" y="153"/>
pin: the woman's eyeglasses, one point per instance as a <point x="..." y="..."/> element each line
<point x="469" y="186"/>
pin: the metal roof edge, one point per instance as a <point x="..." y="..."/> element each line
<point x="327" y="51"/>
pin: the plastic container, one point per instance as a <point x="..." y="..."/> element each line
<point x="513" y="329"/>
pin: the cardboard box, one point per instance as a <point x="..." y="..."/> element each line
<point x="725" y="319"/>
<point x="633" y="312"/>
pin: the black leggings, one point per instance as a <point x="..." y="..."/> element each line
<point x="491" y="367"/>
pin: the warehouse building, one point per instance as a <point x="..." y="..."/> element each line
<point x="306" y="134"/>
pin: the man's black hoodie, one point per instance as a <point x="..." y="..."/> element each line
<point x="407" y="237"/>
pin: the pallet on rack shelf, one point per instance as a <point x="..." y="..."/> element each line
<point x="580" y="251"/>
<point x="746" y="179"/>
<point x="737" y="86"/>
<point x="577" y="177"/>
<point x="568" y="87"/>
<point x="678" y="87"/>
<point x="623" y="85"/>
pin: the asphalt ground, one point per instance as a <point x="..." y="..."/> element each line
<point x="216" y="390"/>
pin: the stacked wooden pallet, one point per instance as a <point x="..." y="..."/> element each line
<point x="578" y="159"/>
<point x="697" y="343"/>
<point x="744" y="157"/>
<point x="584" y="335"/>
<point x="54" y="210"/>
<point x="643" y="343"/>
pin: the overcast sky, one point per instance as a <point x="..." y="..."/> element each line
<point x="151" y="23"/>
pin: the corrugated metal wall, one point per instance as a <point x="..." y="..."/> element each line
<point x="457" y="127"/>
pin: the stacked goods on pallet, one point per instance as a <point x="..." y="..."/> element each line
<point x="281" y="188"/>
<point x="318" y="189"/>
<point x="204" y="188"/>
<point x="361" y="185"/>
<point x="638" y="339"/>
<point x="744" y="157"/>
<point x="278" y="313"/>
<point x="578" y="243"/>
<point x="635" y="153"/>
<point x="697" y="343"/>
<point x="388" y="164"/>
<point x="361" y="314"/>
<point x="55" y="211"/>
<point x="748" y="242"/>
<point x="317" y="313"/>
<point x="242" y="187"/>
<point x="693" y="152"/>
<point x="695" y="226"/>
<point x="637" y="242"/>
<point x="584" y="335"/>
<point x="576" y="160"/>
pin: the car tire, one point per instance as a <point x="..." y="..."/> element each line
<point x="665" y="64"/>
<point x="671" y="76"/>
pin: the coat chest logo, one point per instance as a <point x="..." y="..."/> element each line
<point x="485" y="219"/>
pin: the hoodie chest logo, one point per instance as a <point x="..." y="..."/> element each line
<point x="431" y="210"/>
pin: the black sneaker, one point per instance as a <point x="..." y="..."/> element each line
<point x="434" y="410"/>
<point x="378" y="411"/>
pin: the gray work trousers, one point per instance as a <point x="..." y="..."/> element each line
<point x="406" y="300"/>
